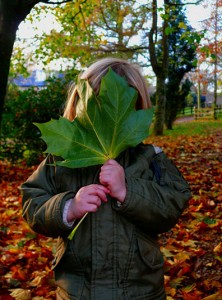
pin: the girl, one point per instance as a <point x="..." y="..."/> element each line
<point x="114" y="254"/>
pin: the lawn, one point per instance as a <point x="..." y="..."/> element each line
<point x="194" y="128"/>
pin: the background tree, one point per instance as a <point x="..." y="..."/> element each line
<point x="12" y="13"/>
<point x="200" y="77"/>
<point x="108" y="29"/>
<point x="159" y="62"/>
<point x="213" y="42"/>
<point x="208" y="72"/>
<point x="163" y="55"/>
<point x="94" y="29"/>
<point x="182" y="44"/>
<point x="91" y="29"/>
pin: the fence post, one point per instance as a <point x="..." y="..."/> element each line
<point x="195" y="112"/>
<point x="215" y="112"/>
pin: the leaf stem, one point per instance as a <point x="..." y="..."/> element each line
<point x="70" y="237"/>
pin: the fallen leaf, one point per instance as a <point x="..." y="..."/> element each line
<point x="218" y="248"/>
<point x="21" y="294"/>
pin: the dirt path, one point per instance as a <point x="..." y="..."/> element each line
<point x="185" y="119"/>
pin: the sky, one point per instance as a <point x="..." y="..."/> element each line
<point x="196" y="14"/>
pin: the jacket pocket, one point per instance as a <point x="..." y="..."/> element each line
<point x="145" y="278"/>
<point x="150" y="254"/>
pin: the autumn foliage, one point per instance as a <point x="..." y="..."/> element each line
<point x="192" y="249"/>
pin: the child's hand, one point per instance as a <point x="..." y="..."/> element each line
<point x="87" y="199"/>
<point x="112" y="176"/>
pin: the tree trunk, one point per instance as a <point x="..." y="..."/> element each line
<point x="169" y="124"/>
<point x="170" y="116"/>
<point x="216" y="58"/>
<point x="160" y="106"/>
<point x="12" y="13"/>
<point x="159" y="67"/>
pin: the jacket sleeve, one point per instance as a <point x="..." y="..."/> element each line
<point x="156" y="198"/>
<point x="42" y="204"/>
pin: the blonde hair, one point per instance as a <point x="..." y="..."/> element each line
<point x="94" y="74"/>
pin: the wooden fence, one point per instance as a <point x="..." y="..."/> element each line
<point x="208" y="113"/>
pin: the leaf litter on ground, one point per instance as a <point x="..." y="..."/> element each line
<point x="192" y="249"/>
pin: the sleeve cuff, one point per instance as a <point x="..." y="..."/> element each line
<point x="65" y="213"/>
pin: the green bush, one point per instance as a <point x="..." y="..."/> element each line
<point x="20" y="138"/>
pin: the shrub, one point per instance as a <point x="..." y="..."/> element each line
<point x="20" y="138"/>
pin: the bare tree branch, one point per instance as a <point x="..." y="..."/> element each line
<point x="55" y="2"/>
<point x="187" y="3"/>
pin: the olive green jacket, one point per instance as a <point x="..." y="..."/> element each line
<point x="114" y="254"/>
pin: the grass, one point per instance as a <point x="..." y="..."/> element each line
<point x="188" y="111"/>
<point x="194" y="128"/>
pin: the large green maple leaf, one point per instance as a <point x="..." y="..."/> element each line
<point x="105" y="124"/>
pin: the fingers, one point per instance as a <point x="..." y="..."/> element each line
<point x="88" y="199"/>
<point x="111" y="165"/>
<point x="112" y="175"/>
<point x="107" y="170"/>
<point x="111" y="162"/>
<point x="90" y="207"/>
<point x="95" y="200"/>
<point x="98" y="190"/>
